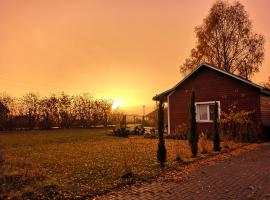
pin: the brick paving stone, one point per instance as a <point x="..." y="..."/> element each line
<point x="246" y="176"/>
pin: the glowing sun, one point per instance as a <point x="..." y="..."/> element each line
<point x="117" y="104"/>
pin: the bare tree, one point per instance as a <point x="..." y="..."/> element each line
<point x="53" y="106"/>
<point x="45" y="117"/>
<point x="104" y="109"/>
<point x="226" y="40"/>
<point x="82" y="108"/>
<point x="267" y="84"/>
<point x="65" y="110"/>
<point x="62" y="110"/>
<point x="30" y="102"/>
<point x="9" y="102"/>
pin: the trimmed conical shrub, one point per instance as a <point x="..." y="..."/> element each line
<point x="193" y="136"/>
<point x="161" y="151"/>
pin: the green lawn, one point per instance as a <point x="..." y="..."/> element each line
<point x="78" y="162"/>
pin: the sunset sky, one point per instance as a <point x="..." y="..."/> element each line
<point x="127" y="50"/>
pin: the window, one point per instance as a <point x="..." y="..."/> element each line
<point x="205" y="111"/>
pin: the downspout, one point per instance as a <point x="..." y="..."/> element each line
<point x="168" y="115"/>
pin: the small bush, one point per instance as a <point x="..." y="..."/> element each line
<point x="181" y="131"/>
<point x="178" y="158"/>
<point x="121" y="132"/>
<point x="178" y="152"/>
<point x="238" y="125"/>
<point x="226" y="145"/>
<point x="128" y="160"/>
<point x="172" y="136"/>
<point x="193" y="133"/>
<point x="203" y="143"/>
<point x="150" y="135"/>
<point x="138" y="130"/>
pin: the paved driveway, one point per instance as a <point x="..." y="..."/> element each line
<point x="243" y="177"/>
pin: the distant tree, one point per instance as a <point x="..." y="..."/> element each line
<point x="97" y="113"/>
<point x="53" y="106"/>
<point x="10" y="102"/>
<point x="267" y="84"/>
<point x="161" y="151"/>
<point x="105" y="107"/>
<point x="193" y="136"/>
<point x="45" y="116"/>
<point x="30" y="102"/>
<point x="65" y="110"/>
<point x="83" y="110"/>
<point x="216" y="138"/>
<point x="62" y="110"/>
<point x="226" y="40"/>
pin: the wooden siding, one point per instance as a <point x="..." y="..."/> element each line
<point x="210" y="85"/>
<point x="265" y="110"/>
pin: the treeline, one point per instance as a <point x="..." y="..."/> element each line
<point x="31" y="111"/>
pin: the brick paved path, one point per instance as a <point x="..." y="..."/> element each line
<point x="244" y="177"/>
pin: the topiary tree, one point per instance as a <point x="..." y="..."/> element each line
<point x="161" y="151"/>
<point x="216" y="138"/>
<point x="193" y="136"/>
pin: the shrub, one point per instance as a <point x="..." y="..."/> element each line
<point x="181" y="131"/>
<point x="138" y="130"/>
<point x="152" y="130"/>
<point x="121" y="132"/>
<point x="216" y="138"/>
<point x="238" y="125"/>
<point x="127" y="158"/>
<point x="178" y="152"/>
<point x="150" y="135"/>
<point x="193" y="134"/>
<point x="121" y="129"/>
<point x="161" y="151"/>
<point x="172" y="136"/>
<point x="178" y="158"/>
<point x="203" y="143"/>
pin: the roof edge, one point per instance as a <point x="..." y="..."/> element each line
<point x="165" y="93"/>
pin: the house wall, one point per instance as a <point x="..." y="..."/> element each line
<point x="210" y="85"/>
<point x="265" y="110"/>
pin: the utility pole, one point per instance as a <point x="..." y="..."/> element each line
<point x="143" y="115"/>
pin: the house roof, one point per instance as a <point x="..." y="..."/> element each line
<point x="167" y="92"/>
<point x="154" y="113"/>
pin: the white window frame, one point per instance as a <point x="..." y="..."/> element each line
<point x="208" y="113"/>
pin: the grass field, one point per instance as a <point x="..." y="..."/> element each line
<point x="79" y="162"/>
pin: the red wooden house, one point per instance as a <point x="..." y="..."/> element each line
<point x="214" y="85"/>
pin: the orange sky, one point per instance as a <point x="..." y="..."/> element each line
<point x="123" y="49"/>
